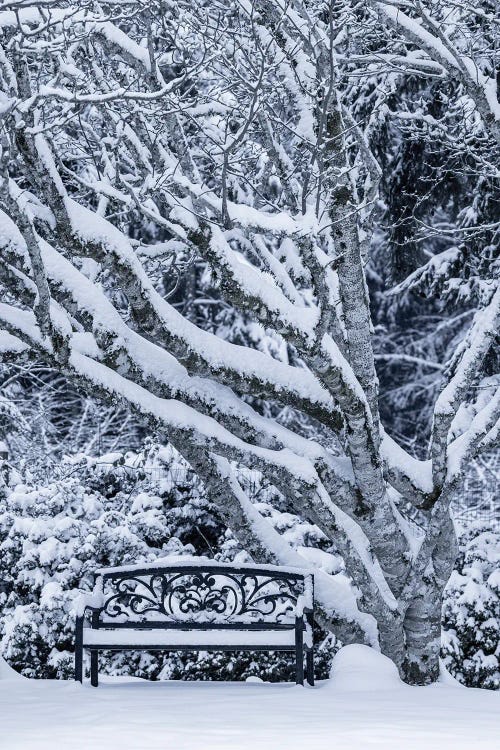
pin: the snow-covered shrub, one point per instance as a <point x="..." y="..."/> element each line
<point x="471" y="610"/>
<point x="239" y="665"/>
<point x="52" y="538"/>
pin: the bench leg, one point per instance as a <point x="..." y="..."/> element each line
<point x="299" y="651"/>
<point x="94" y="668"/>
<point x="299" y="667"/>
<point x="79" y="650"/>
<point x="79" y="664"/>
<point x="310" y="666"/>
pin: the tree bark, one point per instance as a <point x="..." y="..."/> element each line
<point x="422" y="623"/>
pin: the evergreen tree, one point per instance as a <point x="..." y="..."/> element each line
<point x="471" y="610"/>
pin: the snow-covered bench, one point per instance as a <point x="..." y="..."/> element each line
<point x="192" y="606"/>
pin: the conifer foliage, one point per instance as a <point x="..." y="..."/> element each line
<point x="471" y="610"/>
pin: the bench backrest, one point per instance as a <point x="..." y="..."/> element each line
<point x="203" y="597"/>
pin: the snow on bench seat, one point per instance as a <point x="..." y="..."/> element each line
<point x="144" y="638"/>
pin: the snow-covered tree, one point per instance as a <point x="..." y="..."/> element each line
<point x="471" y="610"/>
<point x="228" y="127"/>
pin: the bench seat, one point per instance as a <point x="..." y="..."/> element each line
<point x="281" y="639"/>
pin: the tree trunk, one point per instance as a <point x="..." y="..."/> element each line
<point x="422" y="627"/>
<point x="422" y="623"/>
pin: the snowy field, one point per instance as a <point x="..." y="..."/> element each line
<point x="363" y="706"/>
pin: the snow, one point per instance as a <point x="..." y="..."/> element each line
<point x="11" y="344"/>
<point x="262" y="286"/>
<point x="25" y="16"/>
<point x="190" y="561"/>
<point x="176" y="415"/>
<point x="361" y="544"/>
<point x="151" y="359"/>
<point x="207" y="638"/>
<point x="418" y="472"/>
<point x="10" y="236"/>
<point x="118" y="38"/>
<point x="357" y="667"/>
<point x="331" y="350"/>
<point x="7" y="673"/>
<point x="488" y="84"/>
<point x="415" y="27"/>
<point x="363" y="706"/>
<point x="471" y="350"/>
<point x="460" y="449"/>
<point x="23" y="321"/>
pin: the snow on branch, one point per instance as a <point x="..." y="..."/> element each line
<point x="480" y="433"/>
<point x="10" y="345"/>
<point x="186" y="341"/>
<point x="463" y="367"/>
<point x="428" y="33"/>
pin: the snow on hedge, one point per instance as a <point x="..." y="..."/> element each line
<point x="471" y="610"/>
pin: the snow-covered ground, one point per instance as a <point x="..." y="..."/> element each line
<point x="363" y="706"/>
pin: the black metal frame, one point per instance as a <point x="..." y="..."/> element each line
<point x="133" y="595"/>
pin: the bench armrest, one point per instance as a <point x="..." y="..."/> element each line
<point x="305" y="609"/>
<point x="93" y="600"/>
<point x="305" y="601"/>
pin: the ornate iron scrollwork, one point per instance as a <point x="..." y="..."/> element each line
<point x="204" y="595"/>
